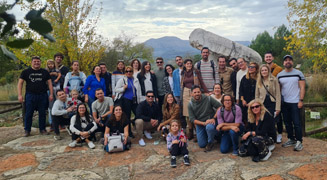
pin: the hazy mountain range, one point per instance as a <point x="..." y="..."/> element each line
<point x="169" y="47"/>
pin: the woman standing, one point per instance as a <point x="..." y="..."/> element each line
<point x="92" y="83"/>
<point x="168" y="83"/>
<point x="268" y="91"/>
<point x="117" y="123"/>
<point x="128" y="88"/>
<point x="74" y="79"/>
<point x="247" y="89"/>
<point x="260" y="133"/>
<point x="170" y="112"/>
<point x="147" y="80"/>
<point x="82" y="127"/>
<point x="136" y="65"/>
<point x="189" y="78"/>
<point x="116" y="75"/>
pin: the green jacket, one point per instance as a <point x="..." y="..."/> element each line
<point x="204" y="109"/>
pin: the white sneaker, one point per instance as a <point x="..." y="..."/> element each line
<point x="91" y="145"/>
<point x="147" y="135"/>
<point x="266" y="157"/>
<point x="73" y="144"/>
<point x="298" y="146"/>
<point x="141" y="142"/>
<point x="279" y="138"/>
<point x="271" y="147"/>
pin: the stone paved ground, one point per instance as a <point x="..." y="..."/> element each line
<point x="40" y="157"/>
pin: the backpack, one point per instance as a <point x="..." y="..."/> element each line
<point x="222" y="110"/>
<point x="212" y="66"/>
<point x="69" y="74"/>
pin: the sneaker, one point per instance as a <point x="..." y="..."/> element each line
<point x="289" y="143"/>
<point x="141" y="142"/>
<point x="27" y="133"/>
<point x="44" y="132"/>
<point x="209" y="147"/>
<point x="91" y="145"/>
<point x="279" y="138"/>
<point x="298" y="146"/>
<point x="68" y="130"/>
<point x="147" y="135"/>
<point x="235" y="153"/>
<point x="271" y="147"/>
<point x="101" y="141"/>
<point x="73" y="144"/>
<point x="186" y="160"/>
<point x="57" y="137"/>
<point x="266" y="157"/>
<point x="173" y="162"/>
<point x="255" y="159"/>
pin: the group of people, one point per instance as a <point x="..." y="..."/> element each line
<point x="209" y="102"/>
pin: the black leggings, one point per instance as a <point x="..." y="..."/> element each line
<point x="177" y="150"/>
<point x="88" y="127"/>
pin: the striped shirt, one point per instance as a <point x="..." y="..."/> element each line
<point x="206" y="72"/>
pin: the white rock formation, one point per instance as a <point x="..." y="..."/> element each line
<point x="221" y="46"/>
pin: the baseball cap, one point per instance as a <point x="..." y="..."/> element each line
<point x="288" y="56"/>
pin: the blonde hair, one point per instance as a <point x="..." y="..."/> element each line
<point x="176" y="121"/>
<point x="260" y="78"/>
<point x="53" y="62"/>
<point x="129" y="67"/>
<point x="251" y="115"/>
<point x="256" y="67"/>
<point x="73" y="91"/>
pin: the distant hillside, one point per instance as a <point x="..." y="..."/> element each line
<point x="169" y="47"/>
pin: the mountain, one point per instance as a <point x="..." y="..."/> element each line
<point x="169" y="47"/>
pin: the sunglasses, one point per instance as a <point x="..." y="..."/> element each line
<point x="251" y="67"/>
<point x="150" y="96"/>
<point x="159" y="62"/>
<point x="254" y="107"/>
<point x="128" y="71"/>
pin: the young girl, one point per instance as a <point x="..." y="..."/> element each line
<point x="177" y="143"/>
<point x="54" y="74"/>
<point x="74" y="101"/>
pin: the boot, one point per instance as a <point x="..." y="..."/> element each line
<point x="190" y="134"/>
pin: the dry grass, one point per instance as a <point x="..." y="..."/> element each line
<point x="8" y="92"/>
<point x="317" y="88"/>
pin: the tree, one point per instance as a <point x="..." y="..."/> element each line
<point x="262" y="43"/>
<point x="124" y="48"/>
<point x="308" y="22"/>
<point x="74" y="28"/>
<point x="279" y="43"/>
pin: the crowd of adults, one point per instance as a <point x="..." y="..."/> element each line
<point x="239" y="106"/>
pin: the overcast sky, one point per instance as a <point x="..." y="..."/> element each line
<point x="238" y="20"/>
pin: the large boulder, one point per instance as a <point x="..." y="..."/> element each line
<point x="221" y="46"/>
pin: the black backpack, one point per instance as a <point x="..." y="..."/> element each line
<point x="222" y="110"/>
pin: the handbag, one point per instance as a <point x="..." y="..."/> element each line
<point x="119" y="101"/>
<point x="115" y="143"/>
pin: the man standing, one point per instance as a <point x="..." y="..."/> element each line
<point x="225" y="75"/>
<point x="160" y="74"/>
<point x="36" y="98"/>
<point x="63" y="69"/>
<point x="202" y="110"/>
<point x="243" y="69"/>
<point x="102" y="109"/>
<point x="147" y="117"/>
<point x="292" y="84"/>
<point x="275" y="69"/>
<point x="233" y="64"/>
<point x="177" y="78"/>
<point x="208" y="70"/>
<point x="230" y="124"/>
<point x="107" y="77"/>
<point x="61" y="112"/>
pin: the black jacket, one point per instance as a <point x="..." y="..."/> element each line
<point x="265" y="127"/>
<point x="153" y="79"/>
<point x="146" y="112"/>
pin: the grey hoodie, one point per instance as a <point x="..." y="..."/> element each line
<point x="204" y="109"/>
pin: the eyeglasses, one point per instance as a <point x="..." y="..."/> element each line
<point x="240" y="62"/>
<point x="159" y="62"/>
<point x="233" y="64"/>
<point x="178" y="59"/>
<point x="254" y="107"/>
<point x="150" y="96"/>
<point x="251" y="67"/>
<point x="128" y="71"/>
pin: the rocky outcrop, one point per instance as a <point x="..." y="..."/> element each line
<point x="218" y="46"/>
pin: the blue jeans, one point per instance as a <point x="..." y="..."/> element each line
<point x="205" y="134"/>
<point x="89" y="103"/>
<point x="291" y="116"/>
<point x="230" y="138"/>
<point x="34" y="102"/>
